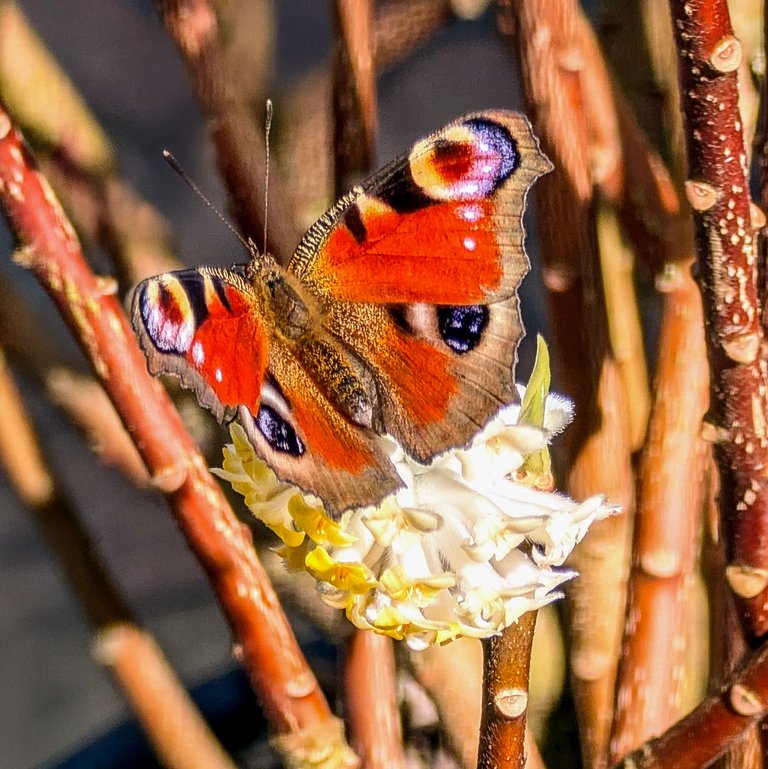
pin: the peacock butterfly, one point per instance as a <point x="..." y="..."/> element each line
<point x="398" y="314"/>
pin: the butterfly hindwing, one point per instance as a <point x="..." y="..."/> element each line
<point x="205" y="327"/>
<point x="306" y="440"/>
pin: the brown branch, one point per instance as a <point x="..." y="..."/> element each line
<point x="550" y="37"/>
<point x="371" y="701"/>
<point x="718" y="192"/>
<point x="173" y="724"/>
<point x="354" y="93"/>
<point x="506" y="666"/>
<point x="703" y="735"/>
<point x="727" y="645"/>
<point x="400" y="27"/>
<point x="670" y="500"/>
<point x="235" y="125"/>
<point x="269" y="652"/>
<point x="624" y="324"/>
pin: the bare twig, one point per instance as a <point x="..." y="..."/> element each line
<point x="651" y="676"/>
<point x="236" y="127"/>
<point x="506" y="665"/>
<point x="699" y="738"/>
<point x="270" y="654"/>
<point x="369" y="680"/>
<point x="76" y="154"/>
<point x="718" y="192"/>
<point x="554" y="43"/>
<point x="354" y="93"/>
<point x="371" y="701"/>
<point x="172" y="722"/>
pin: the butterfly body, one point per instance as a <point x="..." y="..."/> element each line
<point x="397" y="315"/>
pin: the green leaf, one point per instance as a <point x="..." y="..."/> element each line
<point x="533" y="405"/>
<point x="532" y="408"/>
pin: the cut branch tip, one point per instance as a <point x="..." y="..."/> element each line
<point x="746" y="581"/>
<point x="511" y="703"/>
<point x="701" y="195"/>
<point x="711" y="432"/>
<point x="106" y="285"/>
<point x="726" y="55"/>
<point x="745" y="701"/>
<point x="5" y="125"/>
<point x="757" y="216"/>
<point x="743" y="348"/>
<point x="170" y="479"/>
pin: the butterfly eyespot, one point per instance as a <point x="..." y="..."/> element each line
<point x="168" y="315"/>
<point x="461" y="327"/>
<point x="278" y="433"/>
<point x="497" y="142"/>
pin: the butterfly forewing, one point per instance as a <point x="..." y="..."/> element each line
<point x="434" y="242"/>
<point x="205" y="326"/>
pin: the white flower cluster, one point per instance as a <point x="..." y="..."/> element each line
<point x="466" y="548"/>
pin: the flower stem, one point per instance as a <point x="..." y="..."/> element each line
<point x="506" y="666"/>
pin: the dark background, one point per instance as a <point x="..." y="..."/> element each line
<point x="55" y="698"/>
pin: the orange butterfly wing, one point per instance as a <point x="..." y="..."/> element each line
<point x="420" y="266"/>
<point x="203" y="325"/>
<point x="206" y="327"/>
<point x="412" y="329"/>
<point x="442" y="224"/>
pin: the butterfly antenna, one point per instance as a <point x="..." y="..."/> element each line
<point x="249" y="245"/>
<point x="267" y="129"/>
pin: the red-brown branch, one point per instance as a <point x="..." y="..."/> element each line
<point x="551" y="37"/>
<point x="506" y="667"/>
<point x="706" y="733"/>
<point x="174" y="726"/>
<point x="652" y="672"/>
<point x="269" y="652"/>
<point x="354" y="92"/>
<point x="370" y="688"/>
<point x="718" y="192"/>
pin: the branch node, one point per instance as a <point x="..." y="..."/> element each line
<point x="670" y="278"/>
<point x="713" y="432"/>
<point x="661" y="563"/>
<point x="301" y="686"/>
<point x="468" y="9"/>
<point x="726" y="55"/>
<point x="107" y="643"/>
<point x="701" y="195"/>
<point x="558" y="278"/>
<point x="746" y="581"/>
<point x="756" y="215"/>
<point x="511" y="703"/>
<point x="170" y="479"/>
<point x="745" y="701"/>
<point x="743" y="348"/>
<point x="322" y="744"/>
<point x="24" y="256"/>
<point x="106" y="285"/>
